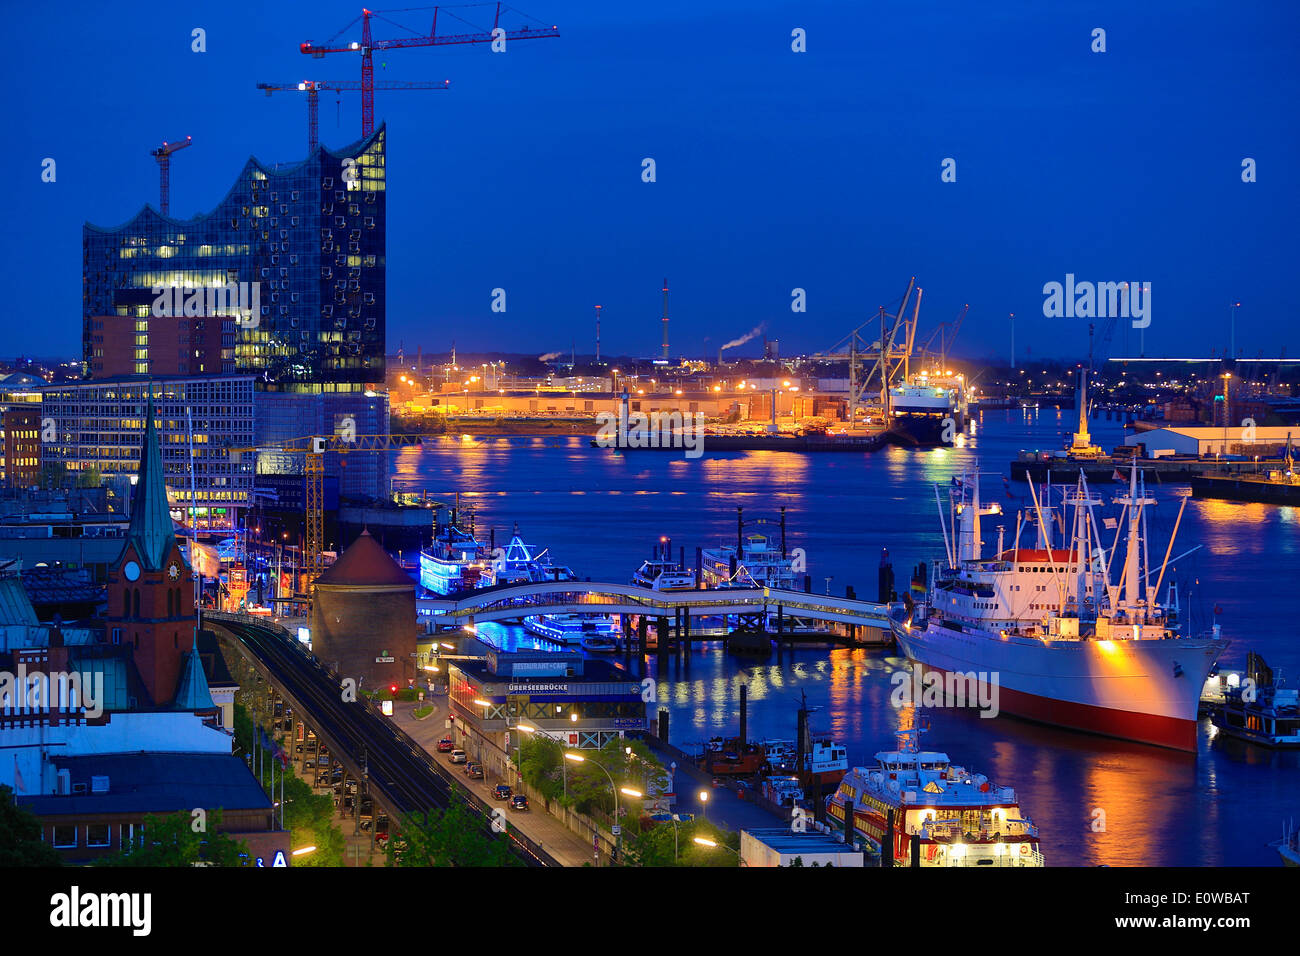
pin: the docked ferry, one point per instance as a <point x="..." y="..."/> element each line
<point x="573" y="628"/>
<point x="917" y="801"/>
<point x="660" y="575"/>
<point x="1260" y="709"/>
<point x="456" y="561"/>
<point x="752" y="562"/>
<point x="1043" y="632"/>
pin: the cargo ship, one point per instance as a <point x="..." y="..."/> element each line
<point x="916" y="805"/>
<point x="1046" y="635"/>
<point x="930" y="408"/>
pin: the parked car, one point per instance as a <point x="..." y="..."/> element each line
<point x="519" y="802"/>
<point x="458" y="756"/>
<point x="502" y="791"/>
<point x="474" y="771"/>
<point x="444" y="745"/>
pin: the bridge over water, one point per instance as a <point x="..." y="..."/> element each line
<point x="509" y="601"/>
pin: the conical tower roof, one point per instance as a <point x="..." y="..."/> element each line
<point x="151" y="530"/>
<point x="192" y="692"/>
<point x="365" y="563"/>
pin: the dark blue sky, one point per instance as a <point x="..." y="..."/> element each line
<point x="776" y="170"/>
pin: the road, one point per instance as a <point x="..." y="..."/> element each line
<point x="406" y="778"/>
<point x="539" y="825"/>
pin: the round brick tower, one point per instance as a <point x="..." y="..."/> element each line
<point x="363" y="617"/>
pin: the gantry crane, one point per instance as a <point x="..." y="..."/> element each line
<point x="163" y="154"/>
<point x="313" y="87"/>
<point x="368" y="45"/>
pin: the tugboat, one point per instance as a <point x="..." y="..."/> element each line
<point x="917" y="805"/>
<point x="1259" y="709"/>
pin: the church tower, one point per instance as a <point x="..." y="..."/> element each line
<point x="150" y="587"/>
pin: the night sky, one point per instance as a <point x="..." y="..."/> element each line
<point x="775" y="169"/>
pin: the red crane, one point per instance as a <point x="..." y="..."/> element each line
<point x="368" y="45"/>
<point x="313" y="87"/>
<point x="164" y="156"/>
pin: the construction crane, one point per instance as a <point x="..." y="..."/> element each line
<point x="368" y="45"/>
<point x="313" y="87"/>
<point x="313" y="448"/>
<point x="163" y="154"/>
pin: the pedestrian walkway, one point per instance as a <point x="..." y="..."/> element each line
<point x="537" y="824"/>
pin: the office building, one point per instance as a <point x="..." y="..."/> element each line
<point x="302" y="243"/>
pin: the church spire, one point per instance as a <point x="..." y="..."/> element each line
<point x="151" y="522"/>
<point x="192" y="692"/>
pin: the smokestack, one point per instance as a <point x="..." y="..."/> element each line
<point x="597" y="335"/>
<point x="665" y="320"/>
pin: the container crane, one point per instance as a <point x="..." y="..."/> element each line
<point x="368" y="45"/>
<point x="163" y="154"/>
<point x="313" y="87"/>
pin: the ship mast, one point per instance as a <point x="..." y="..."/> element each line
<point x="1134" y="603"/>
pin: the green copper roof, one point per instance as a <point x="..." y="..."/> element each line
<point x="192" y="691"/>
<point x="151" y="521"/>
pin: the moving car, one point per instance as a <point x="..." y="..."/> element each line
<point x="458" y="756"/>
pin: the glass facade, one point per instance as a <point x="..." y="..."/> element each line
<point x="312" y="236"/>
<point x="99" y="425"/>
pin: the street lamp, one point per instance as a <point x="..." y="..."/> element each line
<point x="713" y="845"/>
<point x="704" y="804"/>
<point x="618" y="834"/>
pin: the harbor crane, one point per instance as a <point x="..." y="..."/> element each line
<point x="313" y="87"/>
<point x="368" y="45"/>
<point x="163" y="154"/>
<point x="887" y="355"/>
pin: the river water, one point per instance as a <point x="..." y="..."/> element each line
<point x="600" y="512"/>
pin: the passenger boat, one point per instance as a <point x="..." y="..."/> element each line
<point x="522" y="563"/>
<point x="454" y="562"/>
<point x="599" y="645"/>
<point x="1288" y="848"/>
<point x="1259" y="709"/>
<point x="660" y="575"/>
<point x="572" y="628"/>
<point x="752" y="562"/>
<point x="1044" y="634"/>
<point x="915" y="801"/>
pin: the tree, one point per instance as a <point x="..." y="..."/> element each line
<point x="654" y="846"/>
<point x="173" y="840"/>
<point x="540" y="760"/>
<point x="451" y="837"/>
<point x="20" y="836"/>
<point x="308" y="816"/>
